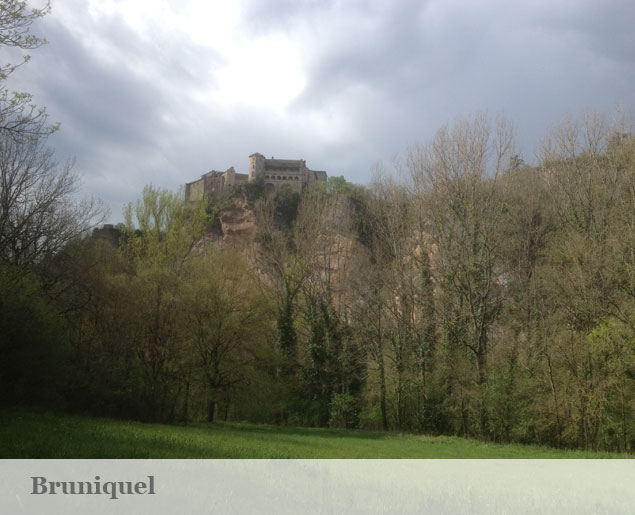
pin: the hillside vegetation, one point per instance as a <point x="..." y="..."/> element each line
<point x="464" y="293"/>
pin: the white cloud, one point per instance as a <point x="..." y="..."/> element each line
<point x="264" y="72"/>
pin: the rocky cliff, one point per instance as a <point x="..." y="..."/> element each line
<point x="238" y="223"/>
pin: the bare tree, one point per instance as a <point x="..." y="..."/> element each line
<point x="455" y="178"/>
<point x="39" y="213"/>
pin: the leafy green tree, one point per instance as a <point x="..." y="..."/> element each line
<point x="224" y="321"/>
<point x="610" y="385"/>
<point x="33" y="350"/>
<point x="333" y="361"/>
<point x="40" y="217"/>
<point x="369" y="301"/>
<point x="338" y="185"/>
<point x="161" y="232"/>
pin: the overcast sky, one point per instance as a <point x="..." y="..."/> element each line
<point x="162" y="91"/>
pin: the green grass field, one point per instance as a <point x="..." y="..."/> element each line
<point x="31" y="434"/>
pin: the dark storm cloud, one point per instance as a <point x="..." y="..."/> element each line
<point x="111" y="97"/>
<point x="115" y="103"/>
<point x="605" y="27"/>
<point x="426" y="62"/>
<point x="103" y="99"/>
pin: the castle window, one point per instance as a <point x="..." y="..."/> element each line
<point x="284" y="178"/>
<point x="266" y="176"/>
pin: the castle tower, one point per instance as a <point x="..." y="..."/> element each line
<point x="256" y="166"/>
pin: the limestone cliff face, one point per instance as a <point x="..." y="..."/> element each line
<point x="332" y="256"/>
<point x="238" y="223"/>
<point x="336" y="253"/>
<point x="237" y="227"/>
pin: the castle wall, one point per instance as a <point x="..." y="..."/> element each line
<point x="214" y="184"/>
<point x="317" y="176"/>
<point x="195" y="190"/>
<point x="279" y="176"/>
<point x="275" y="172"/>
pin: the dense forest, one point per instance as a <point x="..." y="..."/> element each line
<point x="463" y="292"/>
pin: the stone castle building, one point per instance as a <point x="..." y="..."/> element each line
<point x="274" y="172"/>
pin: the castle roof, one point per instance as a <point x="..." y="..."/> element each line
<point x="283" y="163"/>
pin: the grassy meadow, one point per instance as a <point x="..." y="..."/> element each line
<point x="31" y="434"/>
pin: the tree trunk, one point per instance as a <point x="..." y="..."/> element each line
<point x="211" y="410"/>
<point x="186" y="401"/>
<point x="480" y="365"/>
<point x="555" y="401"/>
<point x="424" y="394"/>
<point x="382" y="389"/>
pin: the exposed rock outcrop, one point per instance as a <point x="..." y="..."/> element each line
<point x="238" y="223"/>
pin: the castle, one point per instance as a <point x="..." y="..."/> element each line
<point x="274" y="172"/>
